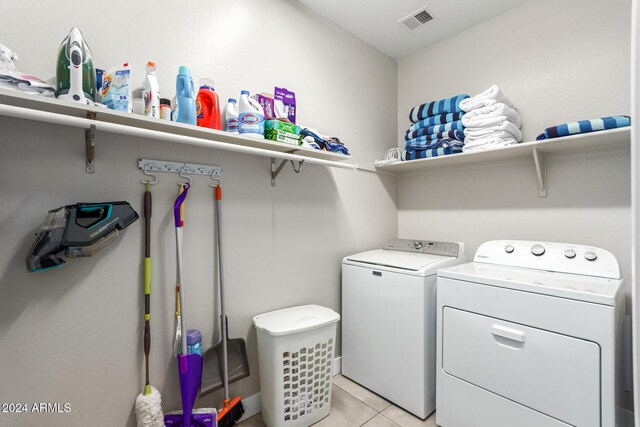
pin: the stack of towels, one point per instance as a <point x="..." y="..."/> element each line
<point x="437" y="129"/>
<point x="490" y="121"/>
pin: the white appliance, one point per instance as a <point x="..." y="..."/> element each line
<point x="388" y="320"/>
<point x="529" y="335"/>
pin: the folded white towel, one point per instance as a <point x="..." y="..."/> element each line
<point x="485" y="120"/>
<point x="489" y="143"/>
<point x="475" y="118"/>
<point x="495" y="134"/>
<point x="484" y="99"/>
<point x="507" y="126"/>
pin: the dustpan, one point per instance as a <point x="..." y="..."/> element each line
<point x="213" y="365"/>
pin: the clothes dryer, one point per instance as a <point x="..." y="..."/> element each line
<point x="529" y="335"/>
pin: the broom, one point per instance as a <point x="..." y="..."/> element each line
<point x="232" y="409"/>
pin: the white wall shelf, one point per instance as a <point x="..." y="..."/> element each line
<point x="93" y="118"/>
<point x="536" y="150"/>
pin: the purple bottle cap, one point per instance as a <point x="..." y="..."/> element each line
<point x="193" y="336"/>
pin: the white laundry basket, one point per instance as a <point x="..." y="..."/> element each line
<point x="296" y="350"/>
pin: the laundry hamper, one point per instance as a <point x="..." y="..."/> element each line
<point x="296" y="350"/>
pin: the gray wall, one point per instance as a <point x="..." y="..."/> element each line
<point x="75" y="334"/>
<point x="558" y="61"/>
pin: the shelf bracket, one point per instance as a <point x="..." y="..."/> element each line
<point x="276" y="169"/>
<point x="541" y="171"/>
<point x="90" y="149"/>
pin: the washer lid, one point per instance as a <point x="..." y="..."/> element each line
<point x="295" y="319"/>
<point x="412" y="262"/>
<point x="572" y="286"/>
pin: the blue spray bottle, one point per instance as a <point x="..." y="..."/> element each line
<point x="185" y="95"/>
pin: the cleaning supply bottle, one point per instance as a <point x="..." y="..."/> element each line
<point x="151" y="92"/>
<point x="194" y="341"/>
<point x="231" y="116"/>
<point x="250" y="116"/>
<point x="208" y="106"/>
<point x="186" y="99"/>
<point x="116" y="89"/>
<point x="165" y="109"/>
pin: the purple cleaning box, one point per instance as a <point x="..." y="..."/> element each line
<point x="279" y="105"/>
<point x="285" y="104"/>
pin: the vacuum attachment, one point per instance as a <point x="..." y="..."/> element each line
<point x="79" y="230"/>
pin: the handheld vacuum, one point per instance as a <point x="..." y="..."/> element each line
<point x="79" y="230"/>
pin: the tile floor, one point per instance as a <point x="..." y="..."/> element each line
<point x="354" y="406"/>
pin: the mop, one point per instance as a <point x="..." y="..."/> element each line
<point x="149" y="402"/>
<point x="189" y="364"/>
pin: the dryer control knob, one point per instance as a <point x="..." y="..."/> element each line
<point x="570" y="253"/>
<point x="509" y="249"/>
<point x="417" y="245"/>
<point x="537" y="250"/>
<point x="590" y="256"/>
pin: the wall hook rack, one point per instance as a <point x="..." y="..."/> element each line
<point x="276" y="169"/>
<point x="180" y="168"/>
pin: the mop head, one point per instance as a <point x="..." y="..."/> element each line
<point x="149" y="409"/>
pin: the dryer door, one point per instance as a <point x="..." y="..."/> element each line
<point x="548" y="372"/>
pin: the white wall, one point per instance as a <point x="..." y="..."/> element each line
<point x="74" y="334"/>
<point x="558" y="61"/>
<point x="635" y="193"/>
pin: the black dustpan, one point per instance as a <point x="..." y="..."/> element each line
<point x="213" y="364"/>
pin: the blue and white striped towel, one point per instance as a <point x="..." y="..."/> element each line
<point x="437" y="120"/>
<point x="434" y="108"/>
<point x="441" y="147"/>
<point x="584" y="126"/>
<point x="453" y="134"/>
<point x="415" y="133"/>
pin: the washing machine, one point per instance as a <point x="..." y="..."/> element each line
<point x="529" y="335"/>
<point x="388" y="319"/>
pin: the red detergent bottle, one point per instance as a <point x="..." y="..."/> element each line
<point x="208" y="113"/>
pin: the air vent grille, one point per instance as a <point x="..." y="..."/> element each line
<point x="416" y="19"/>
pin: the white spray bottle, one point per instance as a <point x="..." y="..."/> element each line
<point x="151" y="92"/>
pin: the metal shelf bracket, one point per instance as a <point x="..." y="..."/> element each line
<point x="90" y="149"/>
<point x="276" y="169"/>
<point x="541" y="171"/>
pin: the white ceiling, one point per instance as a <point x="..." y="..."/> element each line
<point x="375" y="21"/>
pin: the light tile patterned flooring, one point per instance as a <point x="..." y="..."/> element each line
<point x="355" y="406"/>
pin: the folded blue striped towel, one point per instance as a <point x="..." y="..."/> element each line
<point x="441" y="147"/>
<point x="434" y="108"/>
<point x="451" y="126"/>
<point x="585" y="126"/>
<point x="440" y="119"/>
<point x="452" y="134"/>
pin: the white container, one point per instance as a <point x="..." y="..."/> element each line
<point x="231" y="116"/>
<point x="151" y="92"/>
<point x="296" y="349"/>
<point x="250" y="116"/>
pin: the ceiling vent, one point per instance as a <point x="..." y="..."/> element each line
<point x="415" y="19"/>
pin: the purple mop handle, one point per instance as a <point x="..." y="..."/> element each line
<point x="179" y="201"/>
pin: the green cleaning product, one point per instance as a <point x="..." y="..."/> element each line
<point x="277" y="130"/>
<point x="75" y="72"/>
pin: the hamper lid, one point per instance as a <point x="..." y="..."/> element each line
<point x="295" y="319"/>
